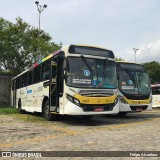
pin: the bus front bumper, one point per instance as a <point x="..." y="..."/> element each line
<point x="72" y="109"/>
<point x="134" y="108"/>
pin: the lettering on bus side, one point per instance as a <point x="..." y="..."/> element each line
<point x="109" y="101"/>
<point x="85" y="101"/>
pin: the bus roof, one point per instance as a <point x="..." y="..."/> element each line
<point x="66" y="47"/>
<point x="128" y="62"/>
<point x="130" y="66"/>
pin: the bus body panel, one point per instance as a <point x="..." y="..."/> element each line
<point x="155" y="95"/>
<point x="155" y="101"/>
<point x="32" y="97"/>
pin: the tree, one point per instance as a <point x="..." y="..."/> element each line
<point x="21" y="45"/>
<point x="119" y="59"/>
<point x="153" y="69"/>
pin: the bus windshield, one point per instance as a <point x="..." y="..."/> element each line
<point x="91" y="73"/>
<point x="134" y="82"/>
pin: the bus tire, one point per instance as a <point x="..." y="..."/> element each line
<point x="87" y="117"/>
<point x="20" y="107"/>
<point x="47" y="115"/>
<point x="122" y="114"/>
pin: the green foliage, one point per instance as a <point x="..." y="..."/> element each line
<point x="8" y="110"/>
<point x="119" y="59"/>
<point x="22" y="45"/>
<point x="153" y="69"/>
<point x="4" y="72"/>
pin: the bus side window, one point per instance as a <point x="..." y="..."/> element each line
<point x="37" y="73"/>
<point x="45" y="71"/>
<point x="54" y="71"/>
<point x="20" y="81"/>
<point x="17" y="83"/>
<point x="24" y="80"/>
<point x="30" y="77"/>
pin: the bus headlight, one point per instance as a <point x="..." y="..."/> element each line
<point x="73" y="100"/>
<point x="122" y="100"/>
<point x="76" y="101"/>
<point x="70" y="98"/>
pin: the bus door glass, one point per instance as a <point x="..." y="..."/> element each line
<point x="53" y="86"/>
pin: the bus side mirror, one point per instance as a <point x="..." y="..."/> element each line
<point x="66" y="65"/>
<point x="66" y="75"/>
<point x="66" y="68"/>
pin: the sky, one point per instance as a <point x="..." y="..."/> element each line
<point x="118" y="25"/>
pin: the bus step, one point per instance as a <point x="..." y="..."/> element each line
<point x="53" y="108"/>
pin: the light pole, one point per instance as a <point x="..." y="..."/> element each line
<point x="135" y="51"/>
<point x="40" y="8"/>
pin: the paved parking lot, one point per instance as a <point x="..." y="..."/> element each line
<point x="135" y="132"/>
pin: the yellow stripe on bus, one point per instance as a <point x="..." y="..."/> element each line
<point x="95" y="100"/>
<point x="130" y="101"/>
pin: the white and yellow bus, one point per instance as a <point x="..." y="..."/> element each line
<point x="76" y="80"/>
<point x="155" y="95"/>
<point x="134" y="88"/>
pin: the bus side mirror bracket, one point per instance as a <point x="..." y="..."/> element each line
<point x="66" y="65"/>
<point x="66" y="68"/>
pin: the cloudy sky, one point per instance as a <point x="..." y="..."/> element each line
<point x="119" y="25"/>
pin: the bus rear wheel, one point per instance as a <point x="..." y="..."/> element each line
<point x="46" y="112"/>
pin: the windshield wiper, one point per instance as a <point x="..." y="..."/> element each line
<point x="133" y="79"/>
<point x="86" y="63"/>
<point x="131" y="76"/>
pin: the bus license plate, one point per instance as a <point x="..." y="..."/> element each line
<point x="99" y="109"/>
<point x="138" y="109"/>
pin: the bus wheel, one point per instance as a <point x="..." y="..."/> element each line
<point x="122" y="114"/>
<point x="46" y="112"/>
<point x="20" y="107"/>
<point x="87" y="117"/>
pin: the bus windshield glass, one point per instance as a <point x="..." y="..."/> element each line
<point x="91" y="73"/>
<point x="134" y="81"/>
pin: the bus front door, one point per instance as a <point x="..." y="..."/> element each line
<point x="53" y="89"/>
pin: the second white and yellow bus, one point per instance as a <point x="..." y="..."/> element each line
<point x="134" y="88"/>
<point x="155" y="95"/>
<point x="75" y="80"/>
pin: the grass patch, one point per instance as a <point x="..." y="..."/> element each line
<point x="30" y="117"/>
<point x="27" y="117"/>
<point x="8" y="110"/>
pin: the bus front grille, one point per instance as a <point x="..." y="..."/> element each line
<point x="96" y="93"/>
<point x="92" y="108"/>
